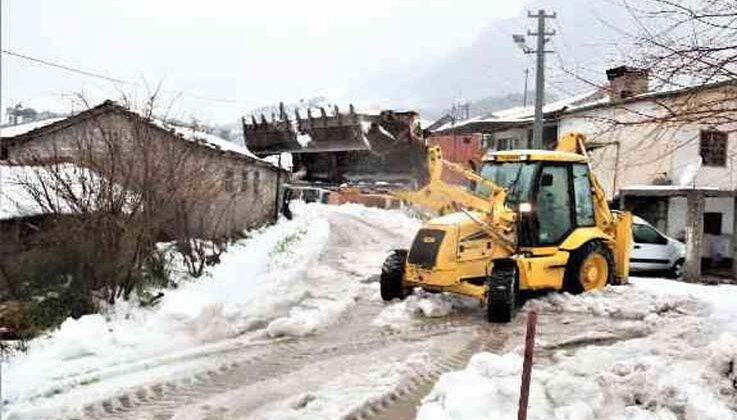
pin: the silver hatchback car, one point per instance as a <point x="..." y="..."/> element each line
<point x="653" y="250"/>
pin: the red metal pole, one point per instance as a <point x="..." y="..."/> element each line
<point x="524" y="392"/>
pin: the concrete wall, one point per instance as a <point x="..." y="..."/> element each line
<point x="714" y="246"/>
<point x="251" y="202"/>
<point x="662" y="151"/>
<point x="519" y="134"/>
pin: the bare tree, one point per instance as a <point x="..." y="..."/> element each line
<point x="118" y="184"/>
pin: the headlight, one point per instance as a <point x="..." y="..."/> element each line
<point x="525" y="207"/>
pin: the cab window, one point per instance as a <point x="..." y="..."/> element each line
<point x="553" y="202"/>
<point x="515" y="177"/>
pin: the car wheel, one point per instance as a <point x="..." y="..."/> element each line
<point x="676" y="271"/>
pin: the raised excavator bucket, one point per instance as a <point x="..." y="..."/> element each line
<point x="334" y="146"/>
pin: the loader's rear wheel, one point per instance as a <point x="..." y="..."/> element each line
<point x="589" y="267"/>
<point x="392" y="274"/>
<point x="502" y="300"/>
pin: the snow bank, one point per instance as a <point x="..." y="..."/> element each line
<point x="625" y="302"/>
<point x="259" y="279"/>
<point x="333" y="291"/>
<point x="664" y="358"/>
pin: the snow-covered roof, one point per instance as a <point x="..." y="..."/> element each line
<point x="525" y="114"/>
<point x="425" y="123"/>
<point x="216" y="142"/>
<point x="17" y="130"/>
<point x="17" y="184"/>
<point x="187" y="133"/>
<point x="591" y="99"/>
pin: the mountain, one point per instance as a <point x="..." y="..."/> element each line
<point x="588" y="41"/>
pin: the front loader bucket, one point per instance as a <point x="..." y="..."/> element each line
<point x="265" y="138"/>
<point x="332" y="132"/>
<point x="335" y="146"/>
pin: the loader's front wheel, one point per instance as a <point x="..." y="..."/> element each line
<point x="392" y="273"/>
<point x="589" y="267"/>
<point x="502" y="300"/>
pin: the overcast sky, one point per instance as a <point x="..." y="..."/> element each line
<point x="243" y="53"/>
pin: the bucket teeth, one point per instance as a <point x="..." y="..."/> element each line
<point x="389" y="137"/>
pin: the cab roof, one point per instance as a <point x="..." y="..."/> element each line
<point x="533" y="155"/>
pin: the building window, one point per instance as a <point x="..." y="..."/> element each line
<point x="467" y="140"/>
<point x="487" y="140"/>
<point x="244" y="181"/>
<point x="713" y="223"/>
<point x="509" y="143"/>
<point x="713" y="147"/>
<point x="256" y="180"/>
<point x="228" y="180"/>
<point x="4" y="153"/>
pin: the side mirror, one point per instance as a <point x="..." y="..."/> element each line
<point x="546" y="180"/>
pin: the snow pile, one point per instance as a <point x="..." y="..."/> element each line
<point x="422" y="304"/>
<point x="487" y="389"/>
<point x="318" y="309"/>
<point x="721" y="299"/>
<point x="675" y="366"/>
<point x="258" y="280"/>
<point x="625" y="302"/>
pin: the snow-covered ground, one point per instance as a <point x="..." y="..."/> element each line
<point x="675" y="359"/>
<point x="291" y="325"/>
<point x="269" y="285"/>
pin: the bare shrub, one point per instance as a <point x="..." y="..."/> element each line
<point x="115" y="184"/>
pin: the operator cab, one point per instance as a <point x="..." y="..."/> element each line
<point x="551" y="191"/>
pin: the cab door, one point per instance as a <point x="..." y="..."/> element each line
<point x="553" y="204"/>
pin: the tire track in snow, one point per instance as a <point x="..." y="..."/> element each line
<point x="402" y="402"/>
<point x="159" y="401"/>
<point x="234" y="368"/>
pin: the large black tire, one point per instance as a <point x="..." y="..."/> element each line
<point x="502" y="299"/>
<point x="572" y="282"/>
<point x="392" y="273"/>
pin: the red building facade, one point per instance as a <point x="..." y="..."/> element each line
<point x="465" y="149"/>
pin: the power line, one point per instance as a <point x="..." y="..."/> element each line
<point x="67" y="68"/>
<point x="111" y="79"/>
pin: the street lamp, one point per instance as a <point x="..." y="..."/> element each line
<point x="521" y="42"/>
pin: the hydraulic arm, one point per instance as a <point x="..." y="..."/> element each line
<point x="488" y="211"/>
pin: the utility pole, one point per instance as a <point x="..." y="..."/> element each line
<point x="543" y="37"/>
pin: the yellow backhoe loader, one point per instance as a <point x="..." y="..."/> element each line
<point x="532" y="220"/>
